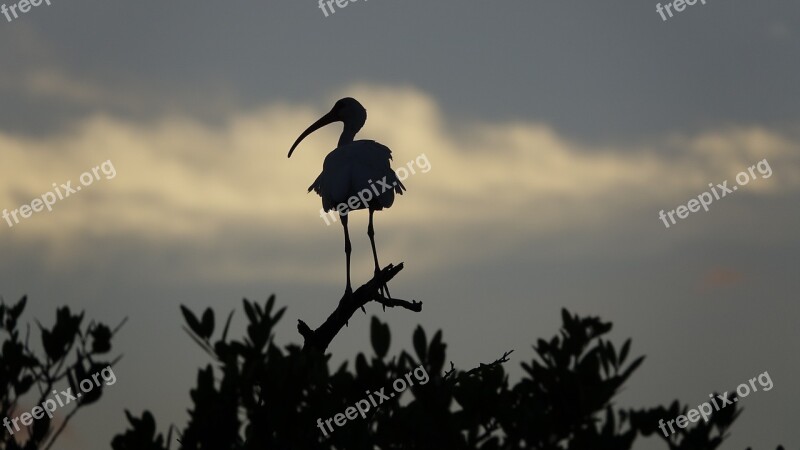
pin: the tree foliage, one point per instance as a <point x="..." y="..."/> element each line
<point x="70" y="353"/>
<point x="257" y="395"/>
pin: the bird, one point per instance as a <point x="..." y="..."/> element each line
<point x="355" y="175"/>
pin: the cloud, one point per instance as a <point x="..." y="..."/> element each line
<point x="229" y="196"/>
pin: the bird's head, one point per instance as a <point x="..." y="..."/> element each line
<point x="347" y="110"/>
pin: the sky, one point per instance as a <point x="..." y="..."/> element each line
<point x="553" y="134"/>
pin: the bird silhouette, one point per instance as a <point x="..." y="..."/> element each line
<point x="355" y="175"/>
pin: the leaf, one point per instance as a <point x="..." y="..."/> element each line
<point x="93" y="394"/>
<point x="207" y="324"/>
<point x="634" y="365"/>
<point x="148" y="424"/>
<point x="420" y="343"/>
<point x="362" y="368"/>
<point x="612" y="355"/>
<point x="251" y="314"/>
<point x="270" y="303"/>
<point x="191" y="320"/>
<point x="227" y="325"/>
<point x="51" y="348"/>
<point x="436" y="352"/>
<point x="17" y="309"/>
<point x="624" y="352"/>
<point x="278" y="316"/>
<point x="565" y="318"/>
<point x="101" y="339"/>
<point x="380" y="336"/>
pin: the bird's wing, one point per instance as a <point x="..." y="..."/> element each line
<point x="354" y="167"/>
<point x="317" y="186"/>
<point x="391" y="176"/>
<point x="372" y="169"/>
<point x="334" y="181"/>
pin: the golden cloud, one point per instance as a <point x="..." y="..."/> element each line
<point x="223" y="188"/>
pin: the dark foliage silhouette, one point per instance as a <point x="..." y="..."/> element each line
<point x="70" y="353"/>
<point x="259" y="396"/>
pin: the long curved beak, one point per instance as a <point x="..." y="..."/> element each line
<point x="324" y="120"/>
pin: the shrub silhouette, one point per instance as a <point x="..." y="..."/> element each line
<point x="70" y="354"/>
<point x="259" y="396"/>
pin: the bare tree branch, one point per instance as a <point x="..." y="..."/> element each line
<point x="321" y="338"/>
<point x="501" y="360"/>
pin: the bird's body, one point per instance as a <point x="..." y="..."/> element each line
<point x="355" y="175"/>
<point x="351" y="169"/>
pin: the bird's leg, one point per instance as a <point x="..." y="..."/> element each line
<point x="371" y="233"/>
<point x="347" y="247"/>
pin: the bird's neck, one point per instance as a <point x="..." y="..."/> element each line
<point x="348" y="134"/>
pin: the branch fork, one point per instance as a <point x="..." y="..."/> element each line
<point x="321" y="338"/>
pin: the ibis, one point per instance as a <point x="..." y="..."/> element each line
<point x="355" y="175"/>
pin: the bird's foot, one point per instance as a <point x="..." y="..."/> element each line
<point x="383" y="288"/>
